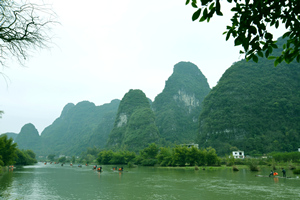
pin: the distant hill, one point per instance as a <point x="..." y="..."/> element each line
<point x="11" y="135"/>
<point x="79" y="127"/>
<point x="134" y="126"/>
<point x="29" y="138"/>
<point x="178" y="107"/>
<point x="255" y="107"/>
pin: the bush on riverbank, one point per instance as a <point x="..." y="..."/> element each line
<point x="25" y="157"/>
<point x="296" y="171"/>
<point x="7" y="151"/>
<point x="286" y="156"/>
<point x="253" y="164"/>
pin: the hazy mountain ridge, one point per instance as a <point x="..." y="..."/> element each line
<point x="77" y="128"/>
<point x="254" y="107"/>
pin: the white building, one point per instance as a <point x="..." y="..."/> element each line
<point x="238" y="154"/>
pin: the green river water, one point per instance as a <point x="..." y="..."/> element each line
<point x="65" y="182"/>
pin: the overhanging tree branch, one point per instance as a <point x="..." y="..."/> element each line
<point x="249" y="25"/>
<point x="24" y="27"/>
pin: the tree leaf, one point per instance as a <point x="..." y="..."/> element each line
<point x="219" y="13"/>
<point x="187" y="2"/>
<point x="286" y="34"/>
<point x="204" y="2"/>
<point x="238" y="41"/>
<point x="211" y="6"/>
<point x="276" y="62"/>
<point x="259" y="53"/>
<point x="252" y="30"/>
<point x="277" y="24"/>
<point x="196" y="14"/>
<point x="255" y="58"/>
<point x="194" y="4"/>
<point x="203" y="18"/>
<point x="272" y="57"/>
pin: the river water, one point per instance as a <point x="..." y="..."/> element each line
<point x="65" y="182"/>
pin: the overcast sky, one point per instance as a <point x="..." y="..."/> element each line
<point x="105" y="48"/>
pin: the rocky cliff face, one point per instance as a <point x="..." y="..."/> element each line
<point x="134" y="127"/>
<point x="178" y="107"/>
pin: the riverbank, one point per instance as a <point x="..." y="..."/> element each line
<point x="260" y="167"/>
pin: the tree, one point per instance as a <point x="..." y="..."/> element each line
<point x="164" y="157"/>
<point x="150" y="152"/>
<point x="25" y="157"/>
<point x="180" y="155"/>
<point x="7" y="150"/>
<point x="23" y="27"/>
<point x="211" y="156"/>
<point x="62" y="159"/>
<point x="51" y="157"/>
<point x="250" y="22"/>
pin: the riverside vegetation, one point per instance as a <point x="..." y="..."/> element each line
<point x="11" y="155"/>
<point x="181" y="156"/>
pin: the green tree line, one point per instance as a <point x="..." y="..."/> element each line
<point x="10" y="154"/>
<point x="163" y="156"/>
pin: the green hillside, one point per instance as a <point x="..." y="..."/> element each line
<point x="10" y="135"/>
<point x="255" y="107"/>
<point x="178" y="107"/>
<point x="134" y="127"/>
<point x="79" y="126"/>
<point x="28" y="138"/>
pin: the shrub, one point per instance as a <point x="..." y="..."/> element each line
<point x="296" y="171"/>
<point x="253" y="165"/>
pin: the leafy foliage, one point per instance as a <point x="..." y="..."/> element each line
<point x="164" y="156"/>
<point x="255" y="107"/>
<point x="51" y="157"/>
<point x="178" y="107"/>
<point x="250" y="25"/>
<point x="25" y="157"/>
<point x="286" y="156"/>
<point x="7" y="151"/>
<point x="120" y="157"/>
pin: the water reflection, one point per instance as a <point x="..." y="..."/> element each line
<point x="67" y="182"/>
<point x="5" y="183"/>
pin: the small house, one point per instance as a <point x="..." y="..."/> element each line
<point x="238" y="154"/>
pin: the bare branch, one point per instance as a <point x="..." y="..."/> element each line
<point x="24" y="28"/>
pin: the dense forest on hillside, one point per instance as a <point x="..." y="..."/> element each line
<point x="255" y="107"/>
<point x="178" y="107"/>
<point x="134" y="126"/>
<point x="79" y="127"/>
<point x="29" y="138"/>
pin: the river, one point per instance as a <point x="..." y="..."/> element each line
<point x="53" y="181"/>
